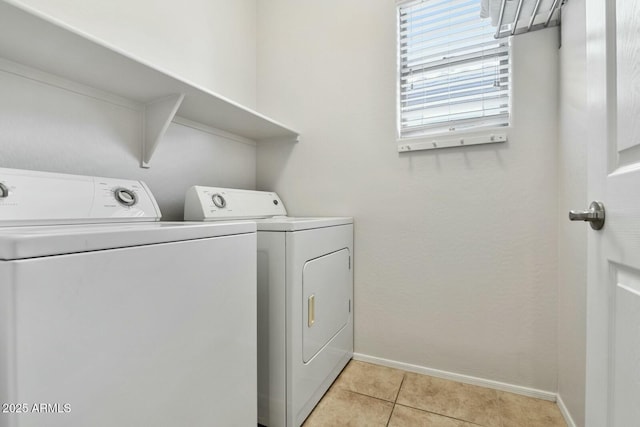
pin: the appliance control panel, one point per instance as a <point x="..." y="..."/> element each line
<point x="215" y="203"/>
<point x="39" y="198"/>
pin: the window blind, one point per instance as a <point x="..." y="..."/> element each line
<point x="454" y="75"/>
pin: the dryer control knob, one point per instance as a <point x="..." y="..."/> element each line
<point x="219" y="200"/>
<point x="125" y="196"/>
<point x="4" y="191"/>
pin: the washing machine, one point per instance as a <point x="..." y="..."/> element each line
<point x="305" y="297"/>
<point x="110" y="317"/>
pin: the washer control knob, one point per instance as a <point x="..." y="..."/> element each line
<point x="126" y="196"/>
<point x="219" y="200"/>
<point x="4" y="191"/>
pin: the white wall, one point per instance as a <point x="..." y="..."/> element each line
<point x="572" y="237"/>
<point x="48" y="128"/>
<point x="209" y="42"/>
<point x="455" y="250"/>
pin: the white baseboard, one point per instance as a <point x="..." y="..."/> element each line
<point x="525" y="391"/>
<point x="565" y="412"/>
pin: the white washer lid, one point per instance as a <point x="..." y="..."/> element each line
<point x="288" y="223"/>
<point x="37" y="241"/>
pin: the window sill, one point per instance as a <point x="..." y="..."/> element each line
<point x="434" y="142"/>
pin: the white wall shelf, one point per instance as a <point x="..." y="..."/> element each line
<point x="41" y="42"/>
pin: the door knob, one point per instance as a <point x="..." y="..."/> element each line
<point x="595" y="215"/>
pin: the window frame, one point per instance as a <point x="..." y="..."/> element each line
<point x="451" y="138"/>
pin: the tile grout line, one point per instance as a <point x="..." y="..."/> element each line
<point x="364" y="394"/>
<point x="499" y="395"/>
<point x="426" y="411"/>
<point x="404" y="375"/>
<point x="376" y="398"/>
<point x="440" y="415"/>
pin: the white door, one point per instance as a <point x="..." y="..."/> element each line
<point x="613" y="293"/>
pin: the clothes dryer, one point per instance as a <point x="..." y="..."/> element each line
<point x="305" y="297"/>
<point x="111" y="318"/>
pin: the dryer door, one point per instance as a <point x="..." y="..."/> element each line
<point x="326" y="305"/>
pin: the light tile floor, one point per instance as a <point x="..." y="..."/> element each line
<point x="370" y="395"/>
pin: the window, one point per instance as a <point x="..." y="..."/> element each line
<point x="454" y="75"/>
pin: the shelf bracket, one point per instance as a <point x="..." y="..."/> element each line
<point x="156" y="119"/>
